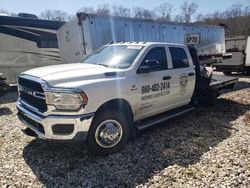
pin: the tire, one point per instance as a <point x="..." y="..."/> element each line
<point x="208" y="98"/>
<point x="211" y="98"/>
<point x="248" y="71"/>
<point x="108" y="123"/>
<point x="3" y="90"/>
<point x="227" y="72"/>
<point x="2" y="94"/>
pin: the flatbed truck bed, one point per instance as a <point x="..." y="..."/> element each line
<point x="222" y="82"/>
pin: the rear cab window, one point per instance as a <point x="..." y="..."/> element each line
<point x="179" y="57"/>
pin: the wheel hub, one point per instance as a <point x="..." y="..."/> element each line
<point x="109" y="133"/>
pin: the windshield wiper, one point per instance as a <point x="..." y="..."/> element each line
<point x="103" y="65"/>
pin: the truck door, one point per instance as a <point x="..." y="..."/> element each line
<point x="154" y="85"/>
<point x="183" y="76"/>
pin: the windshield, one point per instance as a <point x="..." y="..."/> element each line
<point x="116" y="56"/>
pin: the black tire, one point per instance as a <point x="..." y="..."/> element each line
<point x="208" y="98"/>
<point x="227" y="72"/>
<point x="248" y="71"/>
<point x="211" y="98"/>
<point x="101" y="117"/>
<point x="2" y="93"/>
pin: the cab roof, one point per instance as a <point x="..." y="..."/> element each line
<point x="144" y="43"/>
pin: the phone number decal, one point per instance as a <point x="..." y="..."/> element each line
<point x="155" y="95"/>
<point x="155" y="87"/>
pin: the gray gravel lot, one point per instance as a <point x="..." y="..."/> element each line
<point x="206" y="148"/>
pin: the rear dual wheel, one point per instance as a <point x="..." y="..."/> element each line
<point x="248" y="71"/>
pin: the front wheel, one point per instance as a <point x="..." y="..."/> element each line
<point x="109" y="132"/>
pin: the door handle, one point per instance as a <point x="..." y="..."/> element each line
<point x="166" y="77"/>
<point x="191" y="74"/>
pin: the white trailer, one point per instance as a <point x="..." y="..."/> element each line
<point x="88" y="32"/>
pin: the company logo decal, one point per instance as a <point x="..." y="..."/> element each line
<point x="183" y="83"/>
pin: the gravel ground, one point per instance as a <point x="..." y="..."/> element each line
<point x="206" y="148"/>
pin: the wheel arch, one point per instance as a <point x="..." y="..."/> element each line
<point x="118" y="104"/>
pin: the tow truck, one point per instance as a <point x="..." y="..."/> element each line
<point x="115" y="92"/>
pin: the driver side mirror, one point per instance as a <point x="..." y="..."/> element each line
<point x="149" y="66"/>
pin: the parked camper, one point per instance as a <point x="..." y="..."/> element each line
<point x="87" y="33"/>
<point x="25" y="43"/>
<point x="239" y="48"/>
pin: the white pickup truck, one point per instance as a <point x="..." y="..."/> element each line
<point x="114" y="92"/>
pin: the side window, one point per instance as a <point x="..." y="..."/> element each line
<point x="179" y="57"/>
<point x="159" y="54"/>
<point x="47" y="42"/>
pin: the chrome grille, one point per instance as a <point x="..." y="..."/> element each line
<point x="31" y="92"/>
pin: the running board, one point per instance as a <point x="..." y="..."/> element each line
<point x="144" y="124"/>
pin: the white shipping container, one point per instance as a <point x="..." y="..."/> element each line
<point x="88" y="32"/>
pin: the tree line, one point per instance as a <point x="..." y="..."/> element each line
<point x="163" y="12"/>
<point x="236" y="18"/>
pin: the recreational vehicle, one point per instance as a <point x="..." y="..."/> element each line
<point x="25" y="43"/>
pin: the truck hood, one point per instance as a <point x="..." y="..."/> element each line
<point x="72" y="75"/>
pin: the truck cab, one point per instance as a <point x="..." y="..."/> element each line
<point x="165" y="79"/>
<point x="112" y="93"/>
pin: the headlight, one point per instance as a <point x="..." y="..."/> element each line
<point x="66" y="101"/>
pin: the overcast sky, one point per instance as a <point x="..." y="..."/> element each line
<point x="71" y="6"/>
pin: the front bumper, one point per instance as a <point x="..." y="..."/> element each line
<point x="56" y="127"/>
